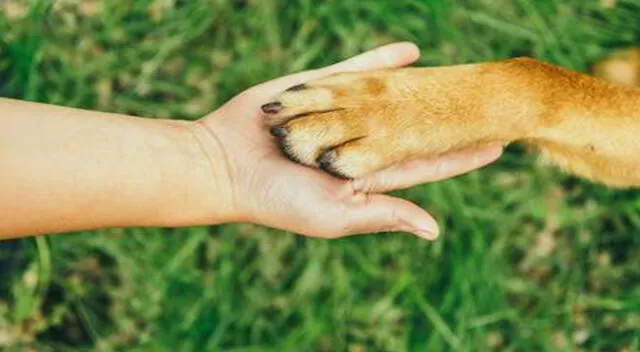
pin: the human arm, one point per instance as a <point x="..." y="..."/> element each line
<point x="65" y="169"/>
<point x="69" y="169"/>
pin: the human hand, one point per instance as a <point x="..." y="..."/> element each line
<point x="261" y="186"/>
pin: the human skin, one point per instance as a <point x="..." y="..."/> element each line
<point x="67" y="169"/>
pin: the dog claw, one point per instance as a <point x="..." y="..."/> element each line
<point x="325" y="161"/>
<point x="278" y="131"/>
<point x="297" y="87"/>
<point x="272" y="108"/>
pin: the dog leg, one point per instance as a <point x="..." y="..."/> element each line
<point x="353" y="124"/>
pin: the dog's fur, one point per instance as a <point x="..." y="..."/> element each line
<point x="353" y="124"/>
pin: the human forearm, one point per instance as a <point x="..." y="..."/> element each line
<point x="68" y="169"/>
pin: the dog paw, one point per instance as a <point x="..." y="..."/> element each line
<point x="353" y="124"/>
<point x="348" y="124"/>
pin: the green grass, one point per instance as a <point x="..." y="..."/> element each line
<point x="530" y="260"/>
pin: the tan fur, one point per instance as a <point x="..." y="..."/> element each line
<point x="353" y="124"/>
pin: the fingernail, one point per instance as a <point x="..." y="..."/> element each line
<point x="427" y="235"/>
<point x="271" y="108"/>
<point x="427" y="229"/>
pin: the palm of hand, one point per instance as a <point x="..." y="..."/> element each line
<point x="273" y="190"/>
<point x="266" y="188"/>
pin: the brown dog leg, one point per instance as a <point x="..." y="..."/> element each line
<point x="353" y="124"/>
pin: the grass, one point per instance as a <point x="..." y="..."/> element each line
<point x="530" y="260"/>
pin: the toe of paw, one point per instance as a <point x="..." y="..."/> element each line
<point x="316" y="98"/>
<point x="288" y="151"/>
<point x="295" y="148"/>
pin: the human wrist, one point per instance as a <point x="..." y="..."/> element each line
<point x="195" y="177"/>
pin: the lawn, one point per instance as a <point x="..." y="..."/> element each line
<point x="530" y="259"/>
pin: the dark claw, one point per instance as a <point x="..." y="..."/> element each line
<point x="297" y="88"/>
<point x="325" y="161"/>
<point x="272" y="108"/>
<point x="279" y="131"/>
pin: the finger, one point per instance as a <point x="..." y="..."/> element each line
<point x="388" y="56"/>
<point x="419" y="171"/>
<point x="380" y="213"/>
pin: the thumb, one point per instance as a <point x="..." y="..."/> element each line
<point x="380" y="212"/>
<point x="387" y="56"/>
